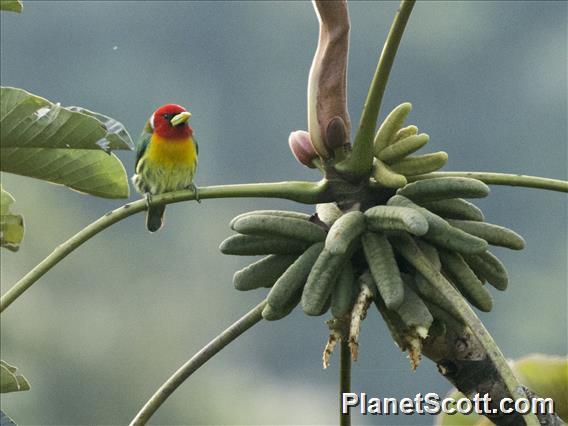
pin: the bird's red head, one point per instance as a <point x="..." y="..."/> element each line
<point x="161" y="122"/>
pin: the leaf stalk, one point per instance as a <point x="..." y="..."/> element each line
<point x="358" y="165"/>
<point x="194" y="363"/>
<point x="302" y="192"/>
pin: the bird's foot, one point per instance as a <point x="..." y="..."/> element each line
<point x="194" y="189"/>
<point x="148" y="198"/>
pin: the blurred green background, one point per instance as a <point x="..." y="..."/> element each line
<point x="100" y="332"/>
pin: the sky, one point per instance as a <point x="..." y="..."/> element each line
<point x="101" y="331"/>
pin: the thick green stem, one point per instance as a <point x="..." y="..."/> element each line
<point x="344" y="380"/>
<point x="502" y="179"/>
<point x="200" y="358"/>
<point x="408" y="249"/>
<point x="358" y="164"/>
<point x="302" y="192"/>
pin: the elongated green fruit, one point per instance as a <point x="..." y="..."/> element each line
<point x="466" y="281"/>
<point x="413" y="311"/>
<point x="325" y="307"/>
<point x="431" y="253"/>
<point x="270" y="313"/>
<point x="405" y="132"/>
<point x="443" y="317"/>
<point x="444" y="188"/>
<point x="490" y="268"/>
<point x="393" y="322"/>
<point x="478" y="274"/>
<point x="344" y="231"/>
<point x="287" y="227"/>
<point x="321" y="282"/>
<point x="402" y="148"/>
<point x="384" y="268"/>
<point x="493" y="234"/>
<point x="344" y="292"/>
<point x="263" y="272"/>
<point x="420" y="164"/>
<point x="456" y="240"/>
<point x="396" y="218"/>
<point x="328" y="213"/>
<point x="253" y="245"/>
<point x="294" y="278"/>
<point x="278" y="213"/>
<point x="431" y="294"/>
<point x="386" y="177"/>
<point x="390" y="126"/>
<point x="406" y="246"/>
<point x="455" y="208"/>
<point x="440" y="232"/>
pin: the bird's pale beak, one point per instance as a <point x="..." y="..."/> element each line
<point x="181" y="118"/>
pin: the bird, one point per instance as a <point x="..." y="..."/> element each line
<point x="166" y="158"/>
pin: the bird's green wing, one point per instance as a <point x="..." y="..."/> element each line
<point x="141" y="146"/>
<point x="196" y="146"/>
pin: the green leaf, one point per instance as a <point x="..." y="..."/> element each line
<point x="68" y="146"/>
<point x="117" y="137"/>
<point x="6" y="200"/>
<point x="5" y="420"/>
<point x="548" y="377"/>
<point x="93" y="172"/>
<point x="29" y="121"/>
<point x="11" y="225"/>
<point x="10" y="381"/>
<point x="11" y="5"/>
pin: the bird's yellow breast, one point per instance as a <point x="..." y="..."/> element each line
<point x="172" y="152"/>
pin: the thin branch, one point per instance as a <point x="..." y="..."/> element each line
<point x="344" y="380"/>
<point x="360" y="161"/>
<point x="200" y="358"/>
<point x="303" y="192"/>
<point x="503" y="179"/>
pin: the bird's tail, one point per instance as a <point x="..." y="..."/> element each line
<point x="155" y="217"/>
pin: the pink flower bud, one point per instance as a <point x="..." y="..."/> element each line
<point x="302" y="148"/>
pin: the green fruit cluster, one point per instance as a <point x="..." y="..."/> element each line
<point x="392" y="147"/>
<point x="400" y="250"/>
<point x="315" y="260"/>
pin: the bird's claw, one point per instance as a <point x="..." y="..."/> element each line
<point x="194" y="188"/>
<point x="148" y="198"/>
